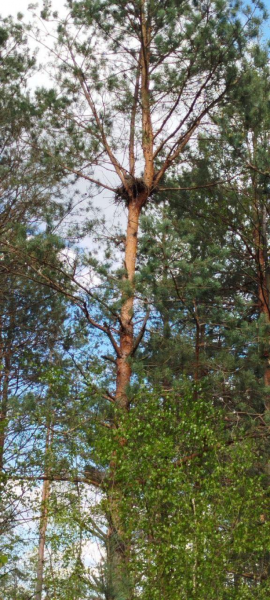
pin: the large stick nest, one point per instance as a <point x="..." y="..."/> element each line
<point x="135" y="184"/>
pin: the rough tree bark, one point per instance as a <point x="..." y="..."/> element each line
<point x="261" y="257"/>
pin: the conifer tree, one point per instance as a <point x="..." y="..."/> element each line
<point x="176" y="64"/>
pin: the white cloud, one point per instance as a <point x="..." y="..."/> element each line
<point x="83" y="275"/>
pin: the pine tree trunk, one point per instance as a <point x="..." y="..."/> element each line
<point x="260" y="243"/>
<point x="118" y="583"/>
<point x="126" y="332"/>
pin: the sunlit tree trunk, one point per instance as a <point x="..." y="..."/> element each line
<point x="260" y="246"/>
<point x="127" y="332"/>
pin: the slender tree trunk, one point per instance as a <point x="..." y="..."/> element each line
<point x="260" y="243"/>
<point x="43" y="519"/>
<point x="147" y="129"/>
<point x="195" y="548"/>
<point x="4" y="408"/>
<point x="197" y="346"/>
<point x="42" y="538"/>
<point x="263" y="291"/>
<point x="264" y="288"/>
<point x="118" y="583"/>
<point x="6" y="354"/>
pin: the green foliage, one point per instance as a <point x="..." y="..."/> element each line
<point x="193" y="498"/>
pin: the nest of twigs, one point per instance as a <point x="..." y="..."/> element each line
<point x="136" y="186"/>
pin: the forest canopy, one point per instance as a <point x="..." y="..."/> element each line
<point x="135" y="301"/>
